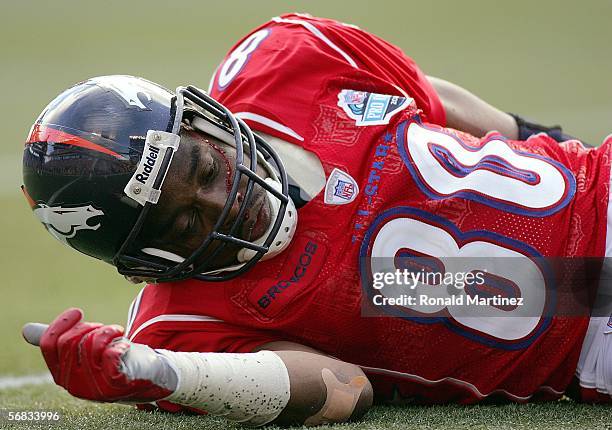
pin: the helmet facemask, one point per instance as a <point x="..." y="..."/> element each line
<point x="194" y="107"/>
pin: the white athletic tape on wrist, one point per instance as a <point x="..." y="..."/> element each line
<point x="250" y="388"/>
<point x="142" y="362"/>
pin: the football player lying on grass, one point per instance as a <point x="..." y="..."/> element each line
<point x="259" y="249"/>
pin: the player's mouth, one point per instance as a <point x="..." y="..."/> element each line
<point x="257" y="217"/>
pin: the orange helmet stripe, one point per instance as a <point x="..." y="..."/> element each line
<point x="29" y="198"/>
<point x="41" y="133"/>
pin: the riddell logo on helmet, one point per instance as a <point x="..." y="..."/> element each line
<point x="148" y="165"/>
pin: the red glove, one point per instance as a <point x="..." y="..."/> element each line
<point x="85" y="359"/>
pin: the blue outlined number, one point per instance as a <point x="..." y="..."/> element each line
<point x="238" y="58"/>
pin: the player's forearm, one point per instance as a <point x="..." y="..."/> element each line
<point x="469" y="113"/>
<point x="466" y="112"/>
<point x="282" y="387"/>
<point x="96" y="362"/>
<point x="323" y="390"/>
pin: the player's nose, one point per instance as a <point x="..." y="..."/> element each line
<point x="213" y="203"/>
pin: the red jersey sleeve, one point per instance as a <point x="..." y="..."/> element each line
<point x="273" y="77"/>
<point x="202" y="337"/>
<point x="156" y="321"/>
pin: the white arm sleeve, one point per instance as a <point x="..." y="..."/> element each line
<point x="251" y="388"/>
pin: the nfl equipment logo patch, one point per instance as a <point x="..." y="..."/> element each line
<point x="371" y="108"/>
<point x="340" y="189"/>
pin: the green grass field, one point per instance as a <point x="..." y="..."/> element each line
<point x="549" y="60"/>
<point x="82" y="415"/>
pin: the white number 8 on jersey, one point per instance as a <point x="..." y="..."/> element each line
<point x="239" y="57"/>
<point x="493" y="174"/>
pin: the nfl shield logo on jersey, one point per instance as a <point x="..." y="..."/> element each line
<point x="340" y="189"/>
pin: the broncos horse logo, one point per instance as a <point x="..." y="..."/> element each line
<point x="64" y="223"/>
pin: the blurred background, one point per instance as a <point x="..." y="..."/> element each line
<point x="548" y="60"/>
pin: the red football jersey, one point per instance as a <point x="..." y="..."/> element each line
<point x="275" y="75"/>
<point x="396" y="185"/>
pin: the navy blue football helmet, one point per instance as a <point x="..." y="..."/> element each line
<point x="95" y="161"/>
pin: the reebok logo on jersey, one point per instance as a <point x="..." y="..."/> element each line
<point x="340" y="189"/>
<point x="370" y="108"/>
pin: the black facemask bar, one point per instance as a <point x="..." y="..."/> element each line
<point x="198" y="103"/>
